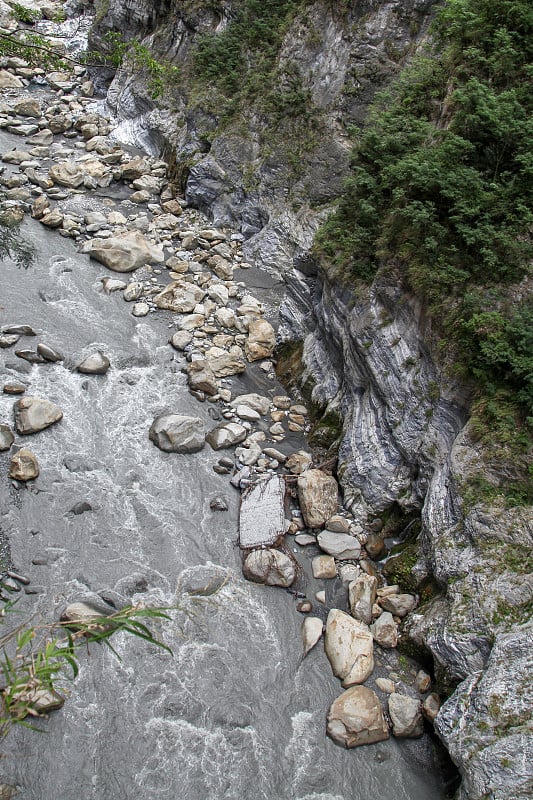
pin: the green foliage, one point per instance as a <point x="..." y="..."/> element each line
<point x="12" y="244"/>
<point x="161" y="74"/>
<point x="441" y="190"/>
<point x="37" y="659"/>
<point x="26" y="15"/>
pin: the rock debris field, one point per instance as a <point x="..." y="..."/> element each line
<point x="165" y="257"/>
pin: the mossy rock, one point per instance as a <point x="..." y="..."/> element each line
<point x="398" y="568"/>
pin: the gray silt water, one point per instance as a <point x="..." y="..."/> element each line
<point x="234" y="713"/>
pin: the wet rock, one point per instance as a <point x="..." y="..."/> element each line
<point x="385" y="630"/>
<point x="323" y="567"/>
<point x="48" y="353"/>
<point x="270" y="567"/>
<point x="356" y="718"/>
<point x="177" y="433"/>
<point x="85" y="612"/>
<point x="24" y="466"/>
<point x="339" y="545"/>
<point x="124" y="252"/>
<point x="32" y="414"/>
<point x="349" y="647"/>
<point x="218" y="504"/>
<point x="95" y="364"/>
<point x="14" y="388"/>
<point x="80" y="508"/>
<point x="398" y="604"/>
<point x="39" y="699"/>
<point x="317" y="495"/>
<point x="226" y="435"/>
<point x="312" y="628"/>
<point x="32" y="356"/>
<point x="304" y="606"/>
<point x="362" y="596"/>
<point x="261" y="340"/>
<point x="8" y="340"/>
<point x="6" y="436"/>
<point x="406" y="716"/>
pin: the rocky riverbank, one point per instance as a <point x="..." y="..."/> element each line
<point x="188" y="270"/>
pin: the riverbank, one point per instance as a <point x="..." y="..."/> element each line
<point x="210" y="316"/>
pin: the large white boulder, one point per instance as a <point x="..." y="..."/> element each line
<point x="317" y="495"/>
<point x="177" y="433"/>
<point x="124" y="252"/>
<point x="356" y="718"/>
<point x="269" y="566"/>
<point x="33" y="414"/>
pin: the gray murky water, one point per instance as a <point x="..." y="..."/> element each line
<point x="234" y="713"/>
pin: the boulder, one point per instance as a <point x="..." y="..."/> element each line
<point x="124" y="252"/>
<point x="177" y="433"/>
<point x="356" y="718"/>
<point x="398" y="604"/>
<point x="33" y="414"/>
<point x="349" y="647"/>
<point x="317" y="494"/>
<point x="226" y="435"/>
<point x="95" y="364"/>
<point x="431" y="706"/>
<point x="180" y="340"/>
<point x="311" y="632"/>
<point x="385" y="630"/>
<point x="180" y="296"/>
<point x="406" y="715"/>
<point x="261" y="340"/>
<point x="134" y="168"/>
<point x="362" y="596"/>
<point x="6" y="437"/>
<point x="269" y="566"/>
<point x="9" y="81"/>
<point x="24" y="466"/>
<point x="339" y="545"/>
<point x="200" y="377"/>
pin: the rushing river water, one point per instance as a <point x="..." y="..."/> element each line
<point x="235" y="712"/>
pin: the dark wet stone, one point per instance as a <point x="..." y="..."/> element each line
<point x="14" y="388"/>
<point x="31" y="356"/>
<point x="8" y="340"/>
<point x="22" y="330"/>
<point x="80" y="508"/>
<point x="218" y="504"/>
<point x="48" y="353"/>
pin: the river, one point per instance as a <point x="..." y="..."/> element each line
<point x="235" y="712"/>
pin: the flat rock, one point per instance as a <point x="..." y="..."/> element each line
<point x="24" y="466"/>
<point x="254" y="401"/>
<point x="261" y="513"/>
<point x="318" y="497"/>
<point x="349" y="647"/>
<point x="95" y="364"/>
<point x="356" y="718"/>
<point x="177" y="433"/>
<point x="33" y="414"/>
<point x="339" y="545"/>
<point x="226" y="364"/>
<point x="270" y="567"/>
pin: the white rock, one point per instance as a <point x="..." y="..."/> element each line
<point x="312" y="628"/>
<point x="349" y="647"/>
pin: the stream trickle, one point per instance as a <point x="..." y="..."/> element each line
<point x="235" y="712"/>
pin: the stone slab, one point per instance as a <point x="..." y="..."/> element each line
<point x="262" y="513"/>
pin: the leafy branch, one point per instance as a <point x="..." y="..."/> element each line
<point x="36" y="659"/>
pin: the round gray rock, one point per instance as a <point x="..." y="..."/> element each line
<point x="24" y="466"/>
<point x="95" y="364"/>
<point x="177" y="433"/>
<point x="6" y="436"/>
<point x="339" y="545"/>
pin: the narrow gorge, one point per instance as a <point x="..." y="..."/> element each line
<point x="240" y="160"/>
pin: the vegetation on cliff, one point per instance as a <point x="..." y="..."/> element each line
<point x="441" y="190"/>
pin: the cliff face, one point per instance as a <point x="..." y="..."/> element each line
<point x="368" y="356"/>
<point x="270" y="169"/>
